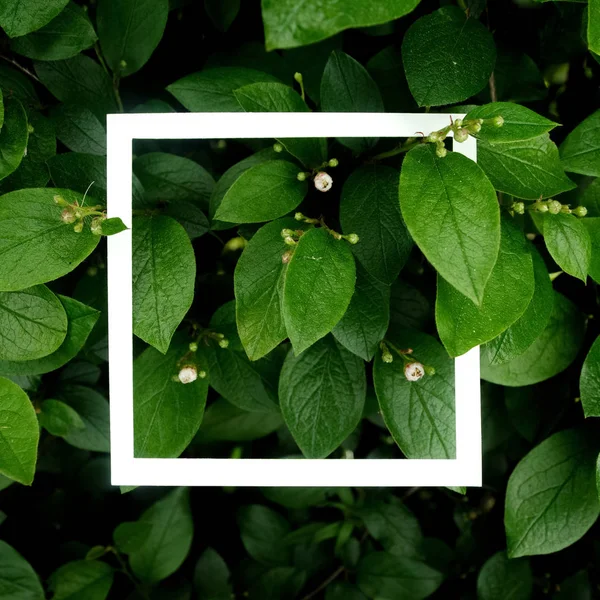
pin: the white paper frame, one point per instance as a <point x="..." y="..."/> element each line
<point x="122" y="129"/>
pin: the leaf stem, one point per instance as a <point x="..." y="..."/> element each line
<point x="400" y="149"/>
<point x="125" y="570"/>
<point x="20" y="67"/>
<point x="325" y="583"/>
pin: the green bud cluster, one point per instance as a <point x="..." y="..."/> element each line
<point x="554" y="207"/>
<point x="76" y="215"/>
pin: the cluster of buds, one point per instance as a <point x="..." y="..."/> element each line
<point x="76" y="214"/>
<point x="188" y="367"/>
<point x="351" y="238"/>
<point x="554" y="207"/>
<point x="413" y="369"/>
<point x="321" y="179"/>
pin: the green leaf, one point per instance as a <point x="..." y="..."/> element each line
<point x="437" y="196"/>
<point x="226" y="422"/>
<point x="189" y="216"/>
<point x="369" y="207"/>
<point x="343" y="591"/>
<point x="15" y="84"/>
<point x="258" y="281"/>
<point x="130" y="537"/>
<point x="264" y="192"/>
<point x="59" y="418"/>
<point x="580" y="152"/>
<point x="502" y="578"/>
<point x="592" y="224"/>
<point x="551" y="498"/>
<point x="552" y="352"/>
<point x="447" y="57"/>
<point x="77" y="171"/>
<point x="520" y="123"/>
<point x="419" y="414"/>
<point x="79" y="80"/>
<point x="251" y="386"/>
<point x="294" y="497"/>
<point x="569" y="243"/>
<point x="33" y="323"/>
<point x="322" y="394"/>
<point x="18" y="580"/>
<point x="212" y="577"/>
<point x="461" y="324"/>
<point x="276" y="583"/>
<point x="80" y="322"/>
<point x="164" y="271"/>
<point x="312" y="21"/>
<point x="367" y="317"/>
<point x="589" y="383"/>
<point x="386" y="577"/>
<point x="312" y="311"/>
<point x="35" y="245"/>
<point x="94" y="412"/>
<point x="13" y="137"/>
<point x="22" y="17"/>
<point x="66" y="35"/>
<point x="79" y="129"/>
<point x="130" y="31"/>
<point x="276" y="97"/>
<point x="593" y="32"/>
<point x="167" y="413"/>
<point x="222" y="13"/>
<point x="19" y="436"/>
<point x="169" y="541"/>
<point x="394" y="526"/>
<point x="112" y="226"/>
<point x="529" y="326"/>
<point x="212" y="90"/>
<point x="262" y="531"/>
<point x="346" y="86"/>
<point x="409" y="309"/>
<point x="170" y="178"/>
<point x="529" y="169"/>
<point x="83" y="580"/>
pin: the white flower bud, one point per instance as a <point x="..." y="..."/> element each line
<point x="414" y="371"/>
<point x="323" y="181"/>
<point x="67" y="215"/>
<point x="188" y="374"/>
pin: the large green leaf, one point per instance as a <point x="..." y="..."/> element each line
<point x="369" y="208"/>
<point x="79" y="129"/>
<point x="366" y="319"/>
<point x="276" y="97"/>
<point x="19" y="436"/>
<point x="212" y="90"/>
<point x="129" y="31"/>
<point x="258" y="281"/>
<point x="83" y="580"/>
<point x="551" y="498"/>
<point x="461" y="324"/>
<point x="65" y="36"/>
<point x="346" y="86"/>
<point x="318" y="287"/>
<point x="438" y="197"/>
<point x="13" y="137"/>
<point x="552" y="352"/>
<point x="312" y="21"/>
<point x="525" y="330"/>
<point x="593" y="32"/>
<point x="453" y="68"/>
<point x="59" y="418"/>
<point x="580" y="152"/>
<point x="589" y="383"/>
<point x="322" y="395"/>
<point x="501" y="578"/>
<point x="18" y="580"/>
<point x="264" y="192"/>
<point x="170" y="538"/>
<point x="387" y="577"/>
<point x="520" y="123"/>
<point x="167" y="413"/>
<point x="22" y="17"/>
<point x="164" y="271"/>
<point x="529" y="169"/>
<point x="262" y="531"/>
<point x="592" y="224"/>
<point x="35" y="245"/>
<point x="569" y="243"/>
<point x="419" y="414"/>
<point x="33" y="323"/>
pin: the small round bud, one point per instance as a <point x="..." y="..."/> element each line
<point x="387" y="357"/>
<point x="434" y="137"/>
<point x="580" y="211"/>
<point x="333" y="162"/>
<point x="429" y="370"/>
<point x="188" y="374"/>
<point x="193" y="346"/>
<point x="440" y="150"/>
<point x="202" y="374"/>
<point x="286" y="257"/>
<point x="458" y="122"/>
<point x="565" y="208"/>
<point x="541" y="207"/>
<point x="498" y="121"/>
<point x="461" y="135"/>
<point x="414" y="371"/>
<point x="92" y="271"/>
<point x="323" y="181"/>
<point x="554" y="207"/>
<point x="289" y="240"/>
<point x="301" y="176"/>
<point x="278" y="147"/>
<point x="287" y="233"/>
<point x="78" y="213"/>
<point x="352" y="238"/>
<point x="519" y="208"/>
<point x="96" y="226"/>
<point x="78" y="227"/>
<point x="224" y="343"/>
<point x="474" y="127"/>
<point x="299" y="216"/>
<point x="67" y="216"/>
<point x="30" y="128"/>
<point x="298" y="77"/>
<point x="58" y="199"/>
<point x="123" y="64"/>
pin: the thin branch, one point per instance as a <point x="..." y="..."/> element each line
<point x="20" y="67"/>
<point x="325" y="583"/>
<point x="493" y="94"/>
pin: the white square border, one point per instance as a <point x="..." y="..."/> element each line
<point x="122" y="129"/>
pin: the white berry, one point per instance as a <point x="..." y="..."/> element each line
<point x="323" y="181"/>
<point x="188" y="374"/>
<point x="414" y="371"/>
